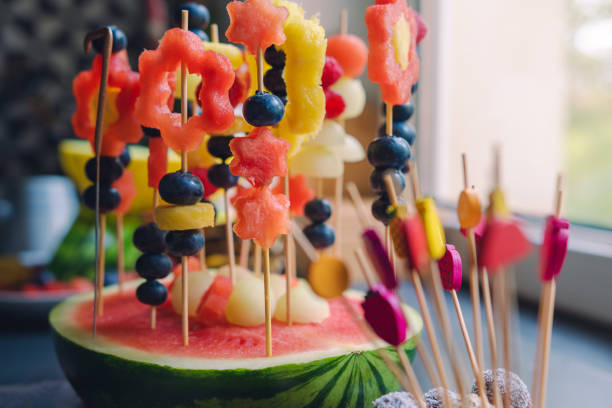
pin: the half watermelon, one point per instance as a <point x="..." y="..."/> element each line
<point x="129" y="365"/>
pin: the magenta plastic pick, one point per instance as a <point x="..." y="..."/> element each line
<point x="450" y="268"/>
<point x="383" y="312"/>
<point x="379" y="257"/>
<point x="554" y="247"/>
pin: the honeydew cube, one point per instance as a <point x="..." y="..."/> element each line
<point x="246" y="304"/>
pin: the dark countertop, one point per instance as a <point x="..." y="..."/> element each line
<point x="580" y="365"/>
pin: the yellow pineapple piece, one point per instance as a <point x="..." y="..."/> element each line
<point x="184" y="217"/>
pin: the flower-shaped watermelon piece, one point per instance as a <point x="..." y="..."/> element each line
<point x="259" y="157"/>
<point x="393" y="61"/>
<point x="120" y="125"/>
<point x="261" y="216"/>
<point x="256" y="24"/>
<point x="157" y="66"/>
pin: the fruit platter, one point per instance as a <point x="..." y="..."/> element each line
<point x="242" y="136"/>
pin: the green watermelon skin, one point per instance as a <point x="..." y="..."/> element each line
<point x="103" y="380"/>
<point x="107" y="374"/>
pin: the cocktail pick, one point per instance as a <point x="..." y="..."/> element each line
<point x="451" y="270"/>
<point x="552" y="256"/>
<point x="100" y="224"/>
<point x="469" y="213"/>
<point x="436" y="242"/>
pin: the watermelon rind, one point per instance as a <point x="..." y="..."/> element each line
<point x="107" y="374"/>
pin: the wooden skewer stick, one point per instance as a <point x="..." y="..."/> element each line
<point x="338" y="190"/>
<point x="474" y="283"/>
<point x="184" y="263"/>
<point x="438" y="296"/>
<point x="107" y="34"/>
<point x="100" y="264"/>
<point x="268" y="309"/>
<point x="549" y="289"/>
<point x="288" y="260"/>
<point x="257" y="266"/>
<point x="486" y="298"/>
<point x="203" y="265"/>
<point x="214" y="33"/>
<point x="245" y="248"/>
<point x="229" y="237"/>
<point x="120" y="251"/>
<point x="364" y="216"/>
<point x="153" y="313"/>
<point x="343" y="22"/>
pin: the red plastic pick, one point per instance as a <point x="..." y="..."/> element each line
<point x="379" y="257"/>
<point x="418" y="254"/>
<point x="554" y="247"/>
<point x="478" y="230"/>
<point x="450" y="268"/>
<point x="383" y="312"/>
<point x="503" y="243"/>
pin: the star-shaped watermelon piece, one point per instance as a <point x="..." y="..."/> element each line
<point x="299" y="193"/>
<point x="256" y="24"/>
<point x="262" y="216"/>
<point x="259" y="157"/>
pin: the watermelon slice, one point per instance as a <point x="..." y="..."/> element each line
<point x="318" y="365"/>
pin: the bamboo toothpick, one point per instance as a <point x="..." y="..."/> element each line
<point x="214" y="33"/>
<point x="184" y="263"/>
<point x="549" y="290"/>
<point x="257" y="261"/>
<point x="288" y="258"/>
<point x="120" y="251"/>
<point x="229" y="237"/>
<point x="260" y="85"/>
<point x="268" y="309"/>
<point x="107" y="34"/>
<point x="100" y="266"/>
<point x="245" y="247"/>
<point x="343" y="22"/>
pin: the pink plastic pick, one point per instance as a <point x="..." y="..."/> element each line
<point x="554" y="247"/>
<point x="502" y="244"/>
<point x="383" y="312"/>
<point x="478" y="230"/>
<point x="379" y="257"/>
<point x="450" y="268"/>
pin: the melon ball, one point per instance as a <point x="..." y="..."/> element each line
<point x="197" y="284"/>
<point x="434" y="398"/>
<point x="353" y="94"/>
<point x="239" y="271"/>
<point x="519" y="394"/>
<point x="474" y="401"/>
<point x="246" y="304"/>
<point x="306" y="306"/>
<point x="331" y="134"/>
<point x="400" y="399"/>
<point x="278" y="284"/>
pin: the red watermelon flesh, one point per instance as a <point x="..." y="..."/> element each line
<point x="126" y="322"/>
<point x="212" y="306"/>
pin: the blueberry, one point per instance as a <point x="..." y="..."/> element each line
<point x="273" y="81"/>
<point x="320" y="235"/>
<point x="401" y="113"/>
<point x="263" y="109"/>
<point x="119" y="41"/>
<point x="379" y="209"/>
<point x="220" y="176"/>
<point x="218" y="146"/>
<point x="405" y="169"/>
<point x="151" y="132"/>
<point x="400" y="129"/>
<point x="377" y="180"/>
<point x="199" y="16"/>
<point x="184" y="243"/>
<point x="148" y="238"/>
<point x="388" y="151"/>
<point x="177" y="107"/>
<point x="318" y="210"/>
<point x="152" y="293"/>
<point x="44" y="278"/>
<point x="109" y="198"/>
<point x="125" y="158"/>
<point x="111" y="169"/>
<point x="111" y="277"/>
<point x="414" y="88"/>
<point x="153" y="266"/>
<point x="200" y="33"/>
<point x="275" y="57"/>
<point x="181" y="188"/>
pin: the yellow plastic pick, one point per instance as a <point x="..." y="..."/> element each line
<point x="436" y="240"/>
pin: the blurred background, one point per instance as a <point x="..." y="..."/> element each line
<point x="535" y="77"/>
